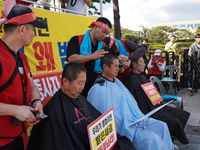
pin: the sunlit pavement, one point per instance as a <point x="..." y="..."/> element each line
<point x="192" y="105"/>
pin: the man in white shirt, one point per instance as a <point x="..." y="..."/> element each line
<point x="77" y="5"/>
<point x="171" y="46"/>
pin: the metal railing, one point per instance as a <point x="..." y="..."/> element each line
<point x="40" y="5"/>
<point x="189" y="67"/>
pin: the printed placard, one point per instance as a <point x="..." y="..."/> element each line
<point x="102" y="132"/>
<point x="152" y="93"/>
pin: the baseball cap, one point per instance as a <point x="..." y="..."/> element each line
<point x="21" y="14"/>
<point x="158" y="52"/>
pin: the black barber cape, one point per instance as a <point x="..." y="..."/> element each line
<point x="175" y="118"/>
<point x="66" y="128"/>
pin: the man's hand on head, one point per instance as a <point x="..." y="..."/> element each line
<point x="98" y="54"/>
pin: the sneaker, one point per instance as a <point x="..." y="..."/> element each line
<point x="189" y="89"/>
<point x="175" y="147"/>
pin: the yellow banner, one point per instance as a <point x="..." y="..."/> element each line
<point x="47" y="52"/>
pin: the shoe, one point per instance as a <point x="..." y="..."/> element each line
<point x="175" y="147"/>
<point x="189" y="89"/>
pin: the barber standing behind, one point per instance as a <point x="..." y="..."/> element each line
<point x="87" y="49"/>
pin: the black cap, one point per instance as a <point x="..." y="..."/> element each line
<point x="19" y="10"/>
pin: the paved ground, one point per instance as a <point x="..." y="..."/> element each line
<point x="192" y="105"/>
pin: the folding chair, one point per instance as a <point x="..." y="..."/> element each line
<point x="162" y="91"/>
<point x="171" y="81"/>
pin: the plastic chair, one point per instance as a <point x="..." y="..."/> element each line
<point x="171" y="81"/>
<point x="162" y="91"/>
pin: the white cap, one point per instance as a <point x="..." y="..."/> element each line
<point x="158" y="52"/>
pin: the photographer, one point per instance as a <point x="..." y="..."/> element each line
<point x="156" y="65"/>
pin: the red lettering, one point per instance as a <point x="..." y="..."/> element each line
<point x="39" y="55"/>
<point x="107" y="142"/>
<point x="100" y="148"/>
<point x="44" y="52"/>
<point x="83" y="117"/>
<point x="49" y="56"/>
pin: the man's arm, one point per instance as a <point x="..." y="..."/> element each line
<point x="88" y="2"/>
<point x="149" y="64"/>
<point x="138" y="50"/>
<point x="166" y="46"/>
<point x="84" y="58"/>
<point x="35" y="94"/>
<point x="64" y="1"/>
<point x="73" y="50"/>
<point x="162" y="68"/>
<point x="22" y="113"/>
<point x="190" y="50"/>
<point x="148" y="48"/>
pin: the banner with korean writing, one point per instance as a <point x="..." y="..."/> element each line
<point x="152" y="93"/>
<point x="102" y="132"/>
<point x="47" y="52"/>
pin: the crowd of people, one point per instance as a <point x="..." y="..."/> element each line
<point x="89" y="87"/>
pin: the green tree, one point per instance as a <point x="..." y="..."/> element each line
<point x="197" y="30"/>
<point x="117" y="27"/>
<point x="157" y="34"/>
<point x="183" y="34"/>
<point x="162" y="33"/>
<point x="145" y="33"/>
<point x="93" y="7"/>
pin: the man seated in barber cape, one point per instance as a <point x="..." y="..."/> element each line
<point x="175" y="118"/>
<point x="69" y="115"/>
<point x="87" y="49"/>
<point x="129" y="51"/>
<point x="108" y="92"/>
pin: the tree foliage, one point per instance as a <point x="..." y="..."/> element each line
<point x="197" y="30"/>
<point x="127" y="34"/>
<point x="94" y="8"/>
<point x="161" y="34"/>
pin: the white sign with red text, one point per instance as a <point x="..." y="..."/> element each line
<point x="102" y="132"/>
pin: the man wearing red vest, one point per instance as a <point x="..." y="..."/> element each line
<point x="133" y="51"/>
<point x="87" y="49"/>
<point x="17" y="88"/>
<point x="156" y="65"/>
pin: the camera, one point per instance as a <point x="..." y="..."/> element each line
<point x="155" y="65"/>
<point x="120" y="65"/>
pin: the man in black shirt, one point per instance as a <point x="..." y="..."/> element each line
<point x="86" y="49"/>
<point x="144" y="43"/>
